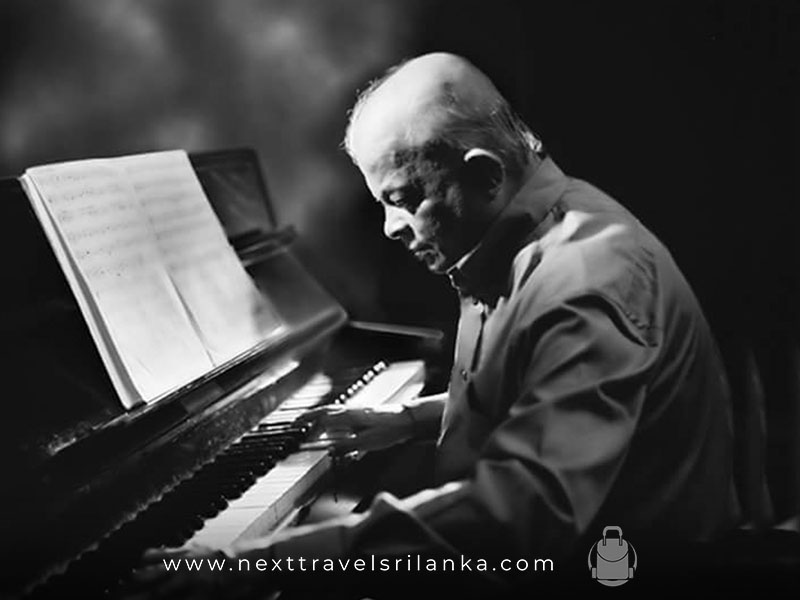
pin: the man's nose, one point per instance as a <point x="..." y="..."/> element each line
<point x="395" y="223"/>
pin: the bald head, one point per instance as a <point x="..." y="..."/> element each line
<point x="422" y="99"/>
<point x="441" y="151"/>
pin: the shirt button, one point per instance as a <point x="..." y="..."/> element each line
<point x="464" y="374"/>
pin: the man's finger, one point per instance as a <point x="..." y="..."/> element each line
<point x="369" y="439"/>
<point x="156" y="556"/>
<point x="321" y="415"/>
<point x="375" y="438"/>
<point x="149" y="578"/>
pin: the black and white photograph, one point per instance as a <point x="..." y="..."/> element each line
<point x="390" y="299"/>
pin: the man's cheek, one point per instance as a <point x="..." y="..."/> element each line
<point x="427" y="228"/>
<point x="436" y="220"/>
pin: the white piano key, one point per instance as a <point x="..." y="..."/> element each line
<point x="300" y="403"/>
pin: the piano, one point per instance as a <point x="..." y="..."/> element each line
<point x="88" y="486"/>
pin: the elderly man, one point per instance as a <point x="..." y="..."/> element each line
<point x="586" y="390"/>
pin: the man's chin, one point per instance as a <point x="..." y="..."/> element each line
<point x="435" y="262"/>
<point x="438" y="266"/>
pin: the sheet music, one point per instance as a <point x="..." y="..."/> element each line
<point x="112" y="261"/>
<point x="229" y="312"/>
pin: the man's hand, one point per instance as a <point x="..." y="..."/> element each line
<point x="352" y="429"/>
<point x="155" y="579"/>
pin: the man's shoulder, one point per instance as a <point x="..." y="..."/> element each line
<point x="592" y="246"/>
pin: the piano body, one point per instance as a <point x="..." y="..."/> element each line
<point x="87" y="485"/>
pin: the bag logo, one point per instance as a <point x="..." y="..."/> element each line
<point x="612" y="560"/>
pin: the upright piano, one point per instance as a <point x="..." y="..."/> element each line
<point x="88" y="486"/>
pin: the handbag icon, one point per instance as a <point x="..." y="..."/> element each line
<point x="614" y="558"/>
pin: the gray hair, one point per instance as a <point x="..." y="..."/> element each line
<point x="496" y="128"/>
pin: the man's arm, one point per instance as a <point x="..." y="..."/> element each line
<point x="365" y="429"/>
<point x="425" y="414"/>
<point x="543" y="473"/>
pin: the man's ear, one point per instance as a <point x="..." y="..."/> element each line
<point x="483" y="170"/>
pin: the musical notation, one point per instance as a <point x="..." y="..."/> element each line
<point x="231" y="313"/>
<point x="164" y="293"/>
<point x="108" y="243"/>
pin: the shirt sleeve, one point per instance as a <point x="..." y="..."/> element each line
<point x="544" y="471"/>
<point x="426" y="415"/>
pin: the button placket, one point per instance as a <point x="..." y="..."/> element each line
<point x="470" y="340"/>
<point x="476" y="352"/>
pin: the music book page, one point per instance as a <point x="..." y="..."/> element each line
<point x="163" y="293"/>
<point x="229" y="312"/>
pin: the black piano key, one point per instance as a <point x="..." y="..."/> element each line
<point x="274" y="426"/>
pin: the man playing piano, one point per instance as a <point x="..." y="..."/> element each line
<point x="587" y="390"/>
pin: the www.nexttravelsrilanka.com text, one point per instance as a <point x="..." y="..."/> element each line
<point x="409" y="563"/>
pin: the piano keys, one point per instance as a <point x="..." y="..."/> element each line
<point x="255" y="486"/>
<point x="272" y="456"/>
<point x="90" y="485"/>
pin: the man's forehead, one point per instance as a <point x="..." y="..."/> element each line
<point x="390" y="139"/>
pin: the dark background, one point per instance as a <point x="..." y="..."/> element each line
<point x="686" y="112"/>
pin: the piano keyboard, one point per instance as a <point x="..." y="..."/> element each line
<point x="282" y="489"/>
<point x="251" y="488"/>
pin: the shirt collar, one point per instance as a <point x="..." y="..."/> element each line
<point x="483" y="273"/>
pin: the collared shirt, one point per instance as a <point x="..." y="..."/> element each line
<point x="586" y="391"/>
